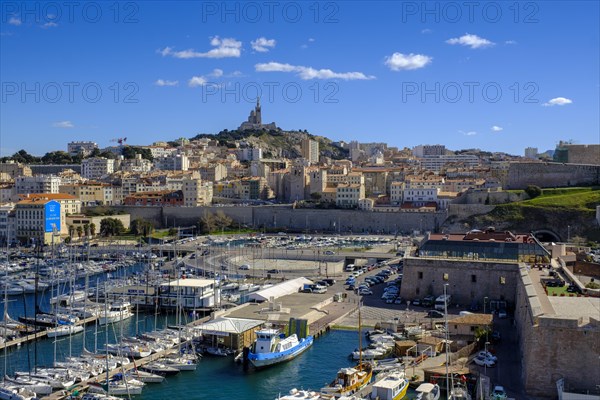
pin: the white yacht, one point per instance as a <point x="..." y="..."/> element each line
<point x="117" y="312"/>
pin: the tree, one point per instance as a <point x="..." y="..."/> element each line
<point x="93" y="229"/>
<point x="86" y="229"/>
<point x="140" y="226"/>
<point x="111" y="227"/>
<point x="79" y="231"/>
<point x="533" y="191"/>
<point x="206" y="224"/>
<point x="71" y="230"/>
<point x="222" y="221"/>
<point x="315" y="196"/>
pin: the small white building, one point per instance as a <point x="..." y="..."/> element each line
<point x="192" y="293"/>
<point x="279" y="290"/>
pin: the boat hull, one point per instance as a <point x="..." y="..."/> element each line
<point x="264" y="360"/>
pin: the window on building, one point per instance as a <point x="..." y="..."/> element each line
<point x="420" y="274"/>
<point x="502" y="280"/>
<point x="445" y="277"/>
<point x="418" y="291"/>
<point x="473" y="278"/>
<point x="472" y="328"/>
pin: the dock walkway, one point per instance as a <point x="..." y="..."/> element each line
<point x="42" y="334"/>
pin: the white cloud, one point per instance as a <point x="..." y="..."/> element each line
<point x="472" y="41"/>
<point x="226" y="47"/>
<point x="50" y="25"/>
<point x="425" y="31"/>
<point x="263" y="44"/>
<point x="63" y="125"/>
<point x="311" y="39"/>
<point x="197" y="81"/>
<point x="217" y="73"/>
<point x="399" y="61"/>
<point x="497" y="128"/>
<point x="510" y="42"/>
<point x="308" y="73"/>
<point x="469" y="133"/>
<point x="162" y="82"/>
<point x="14" y="21"/>
<point x="558" y="101"/>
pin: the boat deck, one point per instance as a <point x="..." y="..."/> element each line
<point x="83" y="386"/>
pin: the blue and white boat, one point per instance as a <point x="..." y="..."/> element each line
<point x="271" y="347"/>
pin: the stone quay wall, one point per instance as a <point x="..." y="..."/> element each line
<point x="548" y="175"/>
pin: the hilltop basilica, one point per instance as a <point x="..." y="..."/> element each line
<point x="255" y="120"/>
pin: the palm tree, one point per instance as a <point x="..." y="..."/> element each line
<point x="86" y="229"/>
<point x="79" y="231"/>
<point x="93" y="229"/>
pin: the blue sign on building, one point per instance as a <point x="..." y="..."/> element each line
<point x="52" y="216"/>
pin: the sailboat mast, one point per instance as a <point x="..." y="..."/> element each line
<point x="359" y="335"/>
<point x="5" y="324"/>
<point x="448" y="387"/>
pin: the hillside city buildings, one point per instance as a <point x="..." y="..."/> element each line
<point x="368" y="177"/>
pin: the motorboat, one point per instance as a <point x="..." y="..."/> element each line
<point x="146" y="377"/>
<point x="296" y="394"/>
<point x="64" y="330"/>
<point x="216" y="351"/>
<point x="128" y="350"/>
<point x="159" y="368"/>
<point x="271" y="348"/>
<point x="9" y="392"/>
<point x="459" y="392"/>
<point x="39" y="388"/>
<point x="392" y="386"/>
<point x="119" y="311"/>
<point x="349" y="380"/>
<point x="181" y="363"/>
<point x="428" y="391"/>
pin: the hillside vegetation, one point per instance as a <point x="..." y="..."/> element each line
<point x="566" y="211"/>
<point x="584" y="199"/>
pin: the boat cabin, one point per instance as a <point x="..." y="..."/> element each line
<point x="266" y="341"/>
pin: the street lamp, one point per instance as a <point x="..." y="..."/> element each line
<point x="486" y="358"/>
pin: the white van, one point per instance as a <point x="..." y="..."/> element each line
<point x="442" y="302"/>
<point x="349" y="268"/>
<point x="319" y="289"/>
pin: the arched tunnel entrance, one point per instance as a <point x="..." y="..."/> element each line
<point x="546" y="235"/>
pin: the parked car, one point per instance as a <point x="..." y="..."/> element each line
<point x="435" y="314"/>
<point x="483" y="361"/>
<point x="488" y="355"/>
<point x="244" y="267"/>
<point x="499" y="393"/>
<point x="329" y="281"/>
<point x="496" y="336"/>
<point x="428" y="301"/>
<point x="329" y="253"/>
<point x="416" y="302"/>
<point x="274" y="271"/>
<point x="365" y="292"/>
<point x="398" y="300"/>
<point x="502" y="313"/>
<point x="351" y="287"/>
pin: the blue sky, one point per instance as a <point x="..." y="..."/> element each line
<point x="500" y="76"/>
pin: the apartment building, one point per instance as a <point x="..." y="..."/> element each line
<point x="37" y="184"/>
<point x="97" y="167"/>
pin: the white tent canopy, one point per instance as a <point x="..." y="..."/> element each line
<point x="279" y="290"/>
<point x="226" y="326"/>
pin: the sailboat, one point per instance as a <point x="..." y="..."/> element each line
<point x="351" y="379"/>
<point x="459" y="390"/>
